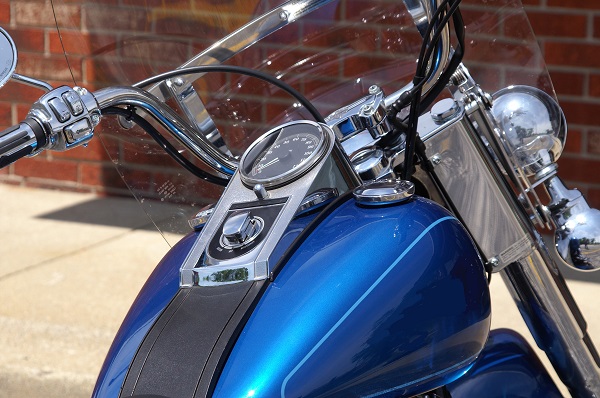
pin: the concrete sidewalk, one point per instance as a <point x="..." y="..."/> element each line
<point x="65" y="286"/>
<point x="67" y="282"/>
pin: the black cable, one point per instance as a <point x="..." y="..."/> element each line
<point x="130" y="114"/>
<point x="239" y="70"/>
<point x="418" y="104"/>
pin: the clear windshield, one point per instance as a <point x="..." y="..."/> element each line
<point x="331" y="56"/>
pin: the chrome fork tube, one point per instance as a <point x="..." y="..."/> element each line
<point x="554" y="320"/>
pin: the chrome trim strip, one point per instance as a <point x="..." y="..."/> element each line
<point x="361" y="299"/>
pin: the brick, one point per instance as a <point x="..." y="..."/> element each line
<point x="580" y="112"/>
<point x="99" y="175"/>
<point x="357" y="64"/>
<point x="596" y="26"/>
<point x="105" y="72"/>
<point x="491" y="4"/>
<point x="585" y="55"/>
<point x="35" y="13"/>
<point x="557" y="24"/>
<point x="94" y="151"/>
<point x="53" y="67"/>
<point x="39" y="168"/>
<point x="400" y="43"/>
<point x="498" y="51"/>
<point x="481" y="21"/>
<point x="151" y="49"/>
<point x="19" y="93"/>
<point x="22" y="111"/>
<point x="138" y="180"/>
<point x="28" y="39"/>
<point x="292" y="63"/>
<point x="528" y="76"/>
<point x="145" y="151"/>
<point x="102" y="18"/>
<point x="4" y="12"/>
<point x="594" y="85"/>
<point x="5" y="115"/>
<point x="76" y="42"/>
<point x="579" y="170"/>
<point x="577" y="4"/>
<point x="567" y="83"/>
<point x="574" y="143"/>
<point x="143" y="3"/>
<point x="593" y="197"/>
<point x="593" y="142"/>
<point x="185" y="27"/>
<point x="237" y="110"/>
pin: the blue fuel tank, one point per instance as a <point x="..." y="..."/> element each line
<point x="376" y="301"/>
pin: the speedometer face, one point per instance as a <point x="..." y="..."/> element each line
<point x="286" y="153"/>
<point x="282" y="154"/>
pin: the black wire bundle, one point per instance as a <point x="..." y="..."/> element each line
<point x="447" y="10"/>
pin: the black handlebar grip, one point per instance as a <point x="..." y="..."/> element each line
<point x="19" y="141"/>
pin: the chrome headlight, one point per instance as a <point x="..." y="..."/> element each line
<point x="533" y="126"/>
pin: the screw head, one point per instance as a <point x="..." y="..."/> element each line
<point x="374" y="89"/>
<point x="494" y="262"/>
<point x="367" y="109"/>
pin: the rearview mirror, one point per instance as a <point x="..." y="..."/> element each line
<point x="8" y="57"/>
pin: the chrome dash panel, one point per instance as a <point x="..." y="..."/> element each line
<point x="210" y="264"/>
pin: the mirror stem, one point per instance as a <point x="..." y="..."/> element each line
<point x="32" y="82"/>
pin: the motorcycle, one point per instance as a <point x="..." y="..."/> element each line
<point x="348" y="255"/>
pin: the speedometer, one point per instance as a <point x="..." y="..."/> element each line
<point x="283" y="154"/>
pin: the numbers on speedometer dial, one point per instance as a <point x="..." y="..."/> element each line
<point x="285" y="154"/>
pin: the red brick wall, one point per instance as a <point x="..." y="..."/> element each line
<point x="568" y="32"/>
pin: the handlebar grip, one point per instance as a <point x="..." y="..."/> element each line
<point x="19" y="141"/>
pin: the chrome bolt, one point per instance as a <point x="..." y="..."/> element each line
<point x="178" y="81"/>
<point x="80" y="90"/>
<point x="125" y="123"/>
<point x="436" y="159"/>
<point x="95" y="119"/>
<point x="260" y="191"/>
<point x="374" y="89"/>
<point x="494" y="262"/>
<point x="284" y="15"/>
<point x="367" y="109"/>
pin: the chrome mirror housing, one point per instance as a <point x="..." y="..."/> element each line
<point x="577" y="237"/>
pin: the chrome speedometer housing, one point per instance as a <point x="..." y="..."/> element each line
<point x="284" y="154"/>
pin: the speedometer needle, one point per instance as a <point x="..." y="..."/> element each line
<point x="265" y="165"/>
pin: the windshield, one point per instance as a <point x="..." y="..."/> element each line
<point x="332" y="56"/>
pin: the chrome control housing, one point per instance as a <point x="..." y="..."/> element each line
<point x="68" y="116"/>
